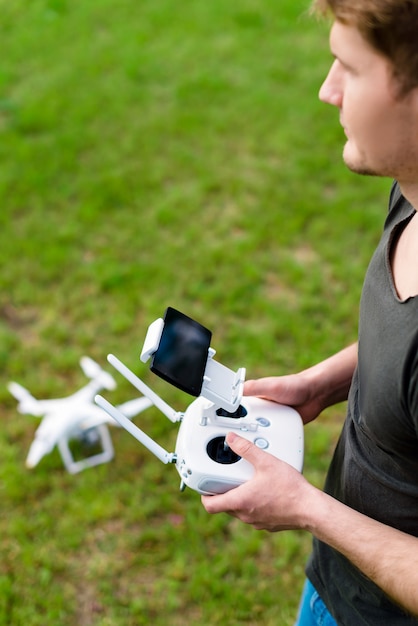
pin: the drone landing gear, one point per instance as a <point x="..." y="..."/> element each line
<point x="97" y="437"/>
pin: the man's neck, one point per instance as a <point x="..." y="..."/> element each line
<point x="410" y="192"/>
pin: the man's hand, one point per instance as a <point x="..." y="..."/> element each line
<point x="312" y="390"/>
<point x="293" y="390"/>
<point x="275" y="497"/>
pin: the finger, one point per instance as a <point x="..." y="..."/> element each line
<point x="222" y="503"/>
<point x="261" y="387"/>
<point x="244" y="448"/>
<point x="231" y="501"/>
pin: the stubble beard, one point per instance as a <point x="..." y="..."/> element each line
<point x="358" y="165"/>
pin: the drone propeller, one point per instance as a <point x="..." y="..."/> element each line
<point x="27" y="403"/>
<point x="93" y="370"/>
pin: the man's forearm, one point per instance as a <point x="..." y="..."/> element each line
<point x="387" y="556"/>
<point x="331" y="378"/>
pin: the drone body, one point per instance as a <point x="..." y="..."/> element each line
<point x="74" y="417"/>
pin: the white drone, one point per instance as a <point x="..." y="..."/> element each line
<point x="75" y="417"/>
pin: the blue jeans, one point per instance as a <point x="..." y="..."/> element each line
<point x="312" y="611"/>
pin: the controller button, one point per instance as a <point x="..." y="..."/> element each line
<point x="263" y="421"/>
<point x="261" y="443"/>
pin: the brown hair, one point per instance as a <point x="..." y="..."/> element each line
<point x="390" y="26"/>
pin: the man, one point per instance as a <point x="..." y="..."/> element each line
<point x="364" y="565"/>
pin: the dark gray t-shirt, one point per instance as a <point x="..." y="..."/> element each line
<point x="375" y="466"/>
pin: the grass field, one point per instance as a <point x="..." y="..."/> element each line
<point x="157" y="154"/>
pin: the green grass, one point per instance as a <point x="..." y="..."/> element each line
<point x="158" y="154"/>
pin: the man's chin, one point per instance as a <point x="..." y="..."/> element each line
<point x="356" y="163"/>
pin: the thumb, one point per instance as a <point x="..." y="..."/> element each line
<point x="262" y="387"/>
<point x="243" y="448"/>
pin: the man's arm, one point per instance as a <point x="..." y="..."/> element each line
<point x="279" y="498"/>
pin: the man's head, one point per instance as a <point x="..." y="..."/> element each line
<point x="389" y="26"/>
<point x="371" y="85"/>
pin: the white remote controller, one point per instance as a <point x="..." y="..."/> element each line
<point x="203" y="460"/>
<point x="181" y="355"/>
<point x="207" y="465"/>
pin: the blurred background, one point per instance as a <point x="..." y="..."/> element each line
<point x="153" y="155"/>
